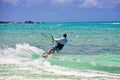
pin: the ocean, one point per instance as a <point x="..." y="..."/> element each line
<point x="92" y="51"/>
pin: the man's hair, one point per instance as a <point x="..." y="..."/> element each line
<point x="65" y="35"/>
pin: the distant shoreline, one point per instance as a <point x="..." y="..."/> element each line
<point x="32" y="22"/>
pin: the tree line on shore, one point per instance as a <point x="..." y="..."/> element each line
<point x="11" y="22"/>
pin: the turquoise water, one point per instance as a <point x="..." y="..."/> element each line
<point x="92" y="53"/>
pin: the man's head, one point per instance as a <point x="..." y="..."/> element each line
<point x="65" y="35"/>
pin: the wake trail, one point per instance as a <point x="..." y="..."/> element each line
<point x="28" y="60"/>
<point x="20" y="52"/>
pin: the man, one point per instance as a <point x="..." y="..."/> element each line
<point x="59" y="45"/>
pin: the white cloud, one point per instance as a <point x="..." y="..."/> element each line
<point x="108" y="3"/>
<point x="23" y="2"/>
<point x="32" y="2"/>
<point x="99" y="3"/>
<point x="13" y="2"/>
<point x="88" y="3"/>
<point x="61" y="1"/>
<point x="82" y="3"/>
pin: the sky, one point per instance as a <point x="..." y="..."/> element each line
<point x="59" y="10"/>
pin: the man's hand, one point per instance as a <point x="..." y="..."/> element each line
<point x="52" y="39"/>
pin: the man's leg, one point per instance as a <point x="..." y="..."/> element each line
<point x="51" y="51"/>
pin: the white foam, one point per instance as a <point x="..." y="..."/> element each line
<point x="8" y="61"/>
<point x="23" y="78"/>
<point x="116" y="23"/>
<point x="12" y="55"/>
<point x="27" y="47"/>
<point x="57" y="70"/>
